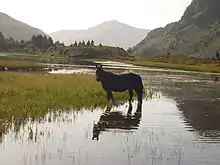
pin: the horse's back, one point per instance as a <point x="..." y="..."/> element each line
<point x="122" y="82"/>
<point x="134" y="80"/>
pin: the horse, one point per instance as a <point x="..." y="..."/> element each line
<point x="119" y="83"/>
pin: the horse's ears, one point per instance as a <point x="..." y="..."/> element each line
<point x="99" y="66"/>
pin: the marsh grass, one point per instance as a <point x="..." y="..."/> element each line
<point x="18" y="63"/>
<point x="44" y="58"/>
<point x="25" y="96"/>
<point x="179" y="63"/>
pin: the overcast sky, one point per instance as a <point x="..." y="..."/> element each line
<point x="53" y="15"/>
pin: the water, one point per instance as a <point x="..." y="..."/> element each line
<point x="181" y="127"/>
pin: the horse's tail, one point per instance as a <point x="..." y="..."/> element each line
<point x="142" y="86"/>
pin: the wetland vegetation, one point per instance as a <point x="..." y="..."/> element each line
<point x="33" y="95"/>
<point x="178" y="63"/>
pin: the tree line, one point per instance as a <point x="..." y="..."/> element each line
<point x="82" y="43"/>
<point x="37" y="42"/>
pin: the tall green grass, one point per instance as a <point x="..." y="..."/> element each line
<point x="24" y="95"/>
<point x="17" y="63"/>
<point x="48" y="58"/>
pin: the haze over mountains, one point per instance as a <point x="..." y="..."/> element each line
<point x="196" y="34"/>
<point x="112" y="33"/>
<point x="18" y="30"/>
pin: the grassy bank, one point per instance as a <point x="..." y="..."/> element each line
<point x="179" y="63"/>
<point x="24" y="95"/>
<point x="18" y="63"/>
<point x="44" y="58"/>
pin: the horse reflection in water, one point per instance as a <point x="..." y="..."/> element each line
<point x="117" y="120"/>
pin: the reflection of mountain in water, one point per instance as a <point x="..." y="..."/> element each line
<point x="117" y="120"/>
<point x="201" y="115"/>
<point x="200" y="107"/>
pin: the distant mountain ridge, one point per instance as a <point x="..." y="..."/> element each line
<point x="111" y="33"/>
<point x="18" y="30"/>
<point x="196" y="34"/>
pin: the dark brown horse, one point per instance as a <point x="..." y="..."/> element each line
<point x="119" y="83"/>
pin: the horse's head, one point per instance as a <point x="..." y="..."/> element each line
<point x="98" y="72"/>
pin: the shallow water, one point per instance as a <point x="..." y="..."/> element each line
<point x="181" y="127"/>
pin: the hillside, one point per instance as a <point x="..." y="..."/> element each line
<point x="95" y="52"/>
<point x="111" y="33"/>
<point x="11" y="27"/>
<point x="196" y="34"/>
<point x="45" y="46"/>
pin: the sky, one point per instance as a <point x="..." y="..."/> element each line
<point x="54" y="15"/>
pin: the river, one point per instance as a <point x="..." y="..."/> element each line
<point x="179" y="126"/>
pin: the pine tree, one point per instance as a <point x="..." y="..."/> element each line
<point x="83" y="43"/>
<point x="75" y="44"/>
<point x="88" y="43"/>
<point x="2" y="42"/>
<point x="79" y="43"/>
<point x="92" y="43"/>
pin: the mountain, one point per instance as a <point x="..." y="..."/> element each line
<point x="196" y="34"/>
<point x="11" y="27"/>
<point x="111" y="33"/>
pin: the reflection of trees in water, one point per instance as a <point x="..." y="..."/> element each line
<point x="200" y="108"/>
<point x="117" y="120"/>
<point x="201" y="115"/>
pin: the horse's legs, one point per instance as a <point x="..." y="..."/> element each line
<point x="110" y="96"/>
<point x="131" y="94"/>
<point x="139" y="95"/>
<point x="129" y="110"/>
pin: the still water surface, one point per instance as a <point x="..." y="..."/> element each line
<point x="180" y="127"/>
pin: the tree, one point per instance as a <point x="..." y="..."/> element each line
<point x="38" y="41"/>
<point x="75" y="44"/>
<point x="57" y="43"/>
<point x="100" y="45"/>
<point x="44" y="42"/>
<point x="129" y="50"/>
<point x="10" y="43"/>
<point x="33" y="38"/>
<point x="50" y="42"/>
<point x="88" y="43"/>
<point x="217" y="55"/>
<point x="79" y="43"/>
<point x="83" y="43"/>
<point x="2" y="42"/>
<point x="92" y="43"/>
